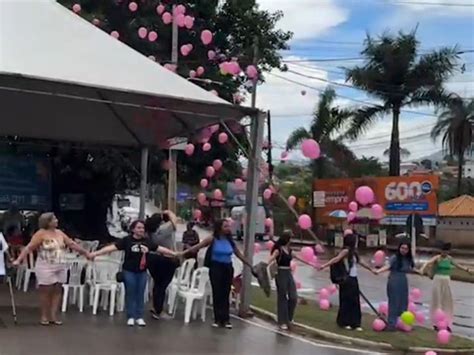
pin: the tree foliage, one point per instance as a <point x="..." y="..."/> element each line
<point x="397" y="74"/>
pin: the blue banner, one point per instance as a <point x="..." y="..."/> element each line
<point x="25" y="181"/>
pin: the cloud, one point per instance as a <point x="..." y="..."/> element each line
<point x="440" y="7"/>
<point x="307" y="18"/>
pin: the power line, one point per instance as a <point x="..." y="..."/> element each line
<point x="441" y="4"/>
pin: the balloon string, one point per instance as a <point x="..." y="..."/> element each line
<point x="247" y="155"/>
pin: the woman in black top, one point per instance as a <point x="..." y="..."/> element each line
<point x="135" y="246"/>
<point x="285" y="283"/>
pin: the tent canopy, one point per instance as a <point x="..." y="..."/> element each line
<point x="62" y="78"/>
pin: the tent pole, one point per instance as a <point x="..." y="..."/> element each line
<point x="256" y="139"/>
<point x="143" y="181"/>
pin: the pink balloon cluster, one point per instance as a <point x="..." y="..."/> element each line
<point x="206" y="37"/>
<point x="230" y="67"/>
<point x="310" y="149"/>
<point x="364" y="195"/>
<point x="305" y="222"/>
<point x="307" y="254"/>
<point x="186" y="49"/>
<point x="252" y="72"/>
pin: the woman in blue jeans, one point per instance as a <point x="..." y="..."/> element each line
<point x="135" y="246"/>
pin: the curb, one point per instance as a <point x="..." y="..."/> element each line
<point x="318" y="333"/>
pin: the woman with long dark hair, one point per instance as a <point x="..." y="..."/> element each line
<point x="397" y="285"/>
<point x="219" y="260"/>
<point x="349" y="315"/>
<point x="136" y="246"/>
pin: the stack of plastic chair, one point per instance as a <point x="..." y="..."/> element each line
<point x="74" y="283"/>
<point x="181" y="282"/>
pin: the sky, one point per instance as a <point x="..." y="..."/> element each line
<point x="332" y="29"/>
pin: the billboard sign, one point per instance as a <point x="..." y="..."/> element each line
<point x="25" y="181"/>
<point x="399" y="197"/>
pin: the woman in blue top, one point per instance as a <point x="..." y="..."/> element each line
<point x="221" y="271"/>
<point x="397" y="285"/>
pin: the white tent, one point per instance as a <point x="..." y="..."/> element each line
<point x="62" y="78"/>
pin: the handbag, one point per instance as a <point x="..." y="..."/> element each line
<point x="338" y="272"/>
<point x="119" y="276"/>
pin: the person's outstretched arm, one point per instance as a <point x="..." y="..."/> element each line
<point x="241" y="257"/>
<point x="194" y="249"/>
<point x="76" y="247"/>
<point x="342" y="254"/>
<point x="34" y="244"/>
<point x="105" y="250"/>
<point x="460" y="267"/>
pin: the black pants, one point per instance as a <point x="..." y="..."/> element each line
<point x="287" y="296"/>
<point x="162" y="270"/>
<point x="221" y="282"/>
<point x="349" y="304"/>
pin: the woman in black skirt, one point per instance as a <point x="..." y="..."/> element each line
<point x="349" y="315"/>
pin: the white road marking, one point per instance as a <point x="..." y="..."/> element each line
<point x="317" y="345"/>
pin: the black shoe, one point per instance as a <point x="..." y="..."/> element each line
<point x="449" y="329"/>
<point x="228" y="325"/>
<point x="154" y="315"/>
<point x="435" y="328"/>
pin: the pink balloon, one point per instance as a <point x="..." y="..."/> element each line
<point x="206" y="147"/>
<point x="192" y="74"/>
<point x="206" y="37"/>
<point x="268" y="222"/>
<point x="152" y="36"/>
<point x="324" y="305"/>
<point x="324" y="294"/>
<point x="378" y="325"/>
<point x="204" y="183"/>
<point x="416" y="294"/>
<point x="420" y="318"/>
<point x="284" y="156"/>
<point x="142" y="32"/>
<point x="184" y="50"/>
<point x="171" y="67"/>
<point x="439" y="315"/>
<point x="402" y="326"/>
<point x="76" y="8"/>
<point x="377" y="211"/>
<point x="167" y="18"/>
<point x="256" y="248"/>
<point x="218" y="194"/>
<point x="293" y="266"/>
<point x="200" y="71"/>
<point x="160" y="9"/>
<point x="310" y="149"/>
<point x="201" y="198"/>
<point x="217" y="164"/>
<point x="307" y="254"/>
<point x="133" y="6"/>
<point x="210" y="171"/>
<point x="211" y="55"/>
<point x="189" y="22"/>
<point x="348" y="232"/>
<point x="379" y="258"/>
<point x="364" y="195"/>
<point x="291" y="200"/>
<point x="353" y="206"/>
<point x="442" y="324"/>
<point x="383" y="308"/>
<point x="234" y="68"/>
<point x="412" y="307"/>
<point x="223" y="138"/>
<point x="351" y="216"/>
<point x="319" y="249"/>
<point x="305" y="222"/>
<point x="152" y="57"/>
<point x="443" y="337"/>
<point x="332" y="289"/>
<point x="214" y="128"/>
<point x="214" y="92"/>
<point x="267" y="194"/>
<point x="197" y="214"/>
<point x="180" y="20"/>
<point x="238" y="183"/>
<point x="180" y="9"/>
<point x="96" y="22"/>
<point x="251" y="72"/>
<point x="269" y="245"/>
<point x="431" y="352"/>
<point x="115" y="34"/>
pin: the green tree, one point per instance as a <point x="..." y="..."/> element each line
<point x="366" y="167"/>
<point x="399" y="76"/>
<point x="455" y="125"/>
<point x="326" y="123"/>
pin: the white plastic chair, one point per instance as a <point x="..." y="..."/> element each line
<point x="104" y="280"/>
<point x="181" y="281"/>
<point x="28" y="270"/>
<point x="75" y="275"/>
<point x="196" y="293"/>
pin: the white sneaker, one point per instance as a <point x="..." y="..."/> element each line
<point x="140" y="322"/>
<point x="131" y="322"/>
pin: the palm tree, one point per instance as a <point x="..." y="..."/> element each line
<point x="395" y="73"/>
<point x="455" y="125"/>
<point x="404" y="153"/>
<point x="327" y="121"/>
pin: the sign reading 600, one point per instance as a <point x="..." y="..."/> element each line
<point x="401" y="191"/>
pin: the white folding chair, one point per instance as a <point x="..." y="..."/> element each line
<point x="28" y="270"/>
<point x="104" y="281"/>
<point x="75" y="269"/>
<point x="194" y="296"/>
<point x="181" y="281"/>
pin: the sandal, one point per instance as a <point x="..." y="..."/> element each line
<point x="56" y="322"/>
<point x="44" y="322"/>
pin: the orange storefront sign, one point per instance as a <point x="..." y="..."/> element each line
<point x="399" y="197"/>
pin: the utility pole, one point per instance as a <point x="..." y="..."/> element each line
<point x="173" y="154"/>
<point x="251" y="197"/>
<point x="269" y="155"/>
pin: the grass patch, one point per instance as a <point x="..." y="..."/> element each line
<point x="310" y="315"/>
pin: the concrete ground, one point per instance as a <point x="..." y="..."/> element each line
<point x="102" y="335"/>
